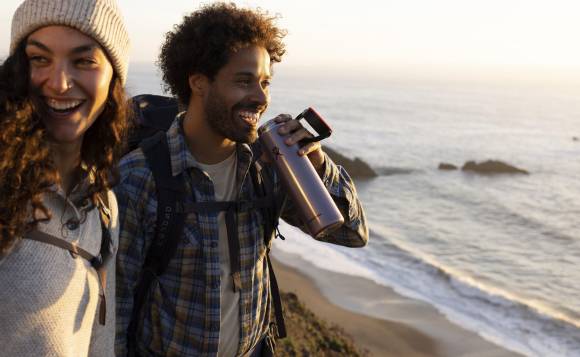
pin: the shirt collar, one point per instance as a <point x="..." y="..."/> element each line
<point x="181" y="157"/>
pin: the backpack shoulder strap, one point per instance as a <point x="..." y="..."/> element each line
<point x="170" y="212"/>
<point x="264" y="186"/>
<point x="46" y="238"/>
<point x="100" y="262"/>
<point x="168" y="228"/>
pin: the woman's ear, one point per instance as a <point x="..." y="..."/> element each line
<point x="198" y="84"/>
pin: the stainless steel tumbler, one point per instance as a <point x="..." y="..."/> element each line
<point x="316" y="208"/>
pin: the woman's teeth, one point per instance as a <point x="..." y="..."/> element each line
<point x="250" y="117"/>
<point x="63" y="105"/>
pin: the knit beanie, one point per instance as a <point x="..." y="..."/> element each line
<point x="99" y="19"/>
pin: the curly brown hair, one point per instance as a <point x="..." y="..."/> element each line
<point x="26" y="166"/>
<point x="206" y="38"/>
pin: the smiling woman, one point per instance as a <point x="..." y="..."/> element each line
<point x="72" y="78"/>
<point x="62" y="123"/>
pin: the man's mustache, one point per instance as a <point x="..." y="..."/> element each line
<point x="255" y="107"/>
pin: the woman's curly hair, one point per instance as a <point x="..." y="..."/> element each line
<point x="205" y="39"/>
<point x="26" y="167"/>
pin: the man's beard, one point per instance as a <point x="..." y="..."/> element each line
<point x="222" y="121"/>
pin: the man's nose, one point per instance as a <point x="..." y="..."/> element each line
<point x="261" y="95"/>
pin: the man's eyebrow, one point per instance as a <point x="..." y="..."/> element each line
<point x="248" y="74"/>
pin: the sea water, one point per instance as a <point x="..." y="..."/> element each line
<point x="496" y="254"/>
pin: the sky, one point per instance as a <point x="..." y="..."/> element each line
<point x="378" y="35"/>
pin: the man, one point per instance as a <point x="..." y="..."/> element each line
<point x="218" y="64"/>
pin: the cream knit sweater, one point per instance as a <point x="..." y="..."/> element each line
<point x="48" y="299"/>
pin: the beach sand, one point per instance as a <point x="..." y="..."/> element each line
<point x="407" y="327"/>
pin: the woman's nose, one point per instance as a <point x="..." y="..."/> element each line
<point x="60" y="79"/>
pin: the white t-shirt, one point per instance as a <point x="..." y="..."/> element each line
<point x="223" y="175"/>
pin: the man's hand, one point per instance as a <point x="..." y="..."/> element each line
<point x="293" y="132"/>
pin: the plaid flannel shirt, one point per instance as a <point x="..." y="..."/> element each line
<point x="181" y="315"/>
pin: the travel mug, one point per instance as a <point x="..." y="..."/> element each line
<point x="316" y="208"/>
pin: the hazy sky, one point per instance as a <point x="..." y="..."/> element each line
<point x="383" y="33"/>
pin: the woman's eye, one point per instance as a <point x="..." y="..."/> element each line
<point x="37" y="60"/>
<point x="265" y="84"/>
<point x="86" y="62"/>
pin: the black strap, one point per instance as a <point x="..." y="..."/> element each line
<point x="168" y="228"/>
<point x="277" y="301"/>
<point x="264" y="187"/>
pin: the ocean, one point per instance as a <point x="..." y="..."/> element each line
<point x="496" y="254"/>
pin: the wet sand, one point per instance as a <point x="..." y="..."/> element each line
<point x="378" y="318"/>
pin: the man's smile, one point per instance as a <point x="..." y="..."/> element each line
<point x="250" y="117"/>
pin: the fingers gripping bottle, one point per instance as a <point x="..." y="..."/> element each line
<point x="315" y="207"/>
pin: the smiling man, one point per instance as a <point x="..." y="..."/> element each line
<point x="213" y="297"/>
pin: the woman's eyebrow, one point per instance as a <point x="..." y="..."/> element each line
<point x="76" y="50"/>
<point x="84" y="48"/>
<point x="38" y="44"/>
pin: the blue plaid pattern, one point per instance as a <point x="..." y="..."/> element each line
<point x="181" y="315"/>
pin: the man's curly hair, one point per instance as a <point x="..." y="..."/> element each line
<point x="26" y="167"/>
<point x="206" y="38"/>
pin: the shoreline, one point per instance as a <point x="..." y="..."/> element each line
<point x="379" y="319"/>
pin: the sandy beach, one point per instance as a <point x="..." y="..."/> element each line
<point x="406" y="328"/>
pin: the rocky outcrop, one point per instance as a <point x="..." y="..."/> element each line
<point x="447" y="167"/>
<point x="356" y="167"/>
<point x="491" y="167"/>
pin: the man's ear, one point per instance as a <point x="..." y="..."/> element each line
<point x="198" y="84"/>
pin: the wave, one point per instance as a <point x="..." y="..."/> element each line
<point x="496" y="210"/>
<point x="526" y="326"/>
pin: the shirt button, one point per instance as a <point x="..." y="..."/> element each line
<point x="72" y="225"/>
<point x="213" y="244"/>
<point x="215" y="285"/>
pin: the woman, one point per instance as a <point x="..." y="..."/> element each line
<point x="62" y="123"/>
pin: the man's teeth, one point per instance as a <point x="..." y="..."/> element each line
<point x="250" y="117"/>
<point x="63" y="104"/>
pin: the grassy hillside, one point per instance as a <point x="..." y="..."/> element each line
<point x="308" y="335"/>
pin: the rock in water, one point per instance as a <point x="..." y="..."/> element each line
<point x="446" y="166"/>
<point x="491" y="167"/>
<point x="356" y="168"/>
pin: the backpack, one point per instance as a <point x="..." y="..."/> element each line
<point x="154" y="116"/>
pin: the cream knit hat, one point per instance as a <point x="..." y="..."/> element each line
<point x="99" y="19"/>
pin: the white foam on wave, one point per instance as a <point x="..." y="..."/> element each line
<point x="490" y="313"/>
<point x="320" y="255"/>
